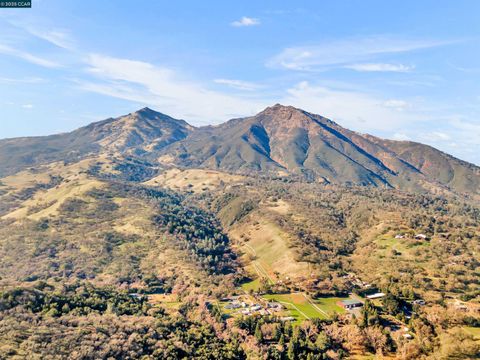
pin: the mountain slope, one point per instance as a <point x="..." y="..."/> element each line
<point x="435" y="164"/>
<point x="138" y="132"/>
<point x="286" y="140"/>
<point x="280" y="140"/>
<point x="99" y="257"/>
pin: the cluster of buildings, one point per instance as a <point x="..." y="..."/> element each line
<point x="416" y="236"/>
<point x="356" y="281"/>
<point x="244" y="308"/>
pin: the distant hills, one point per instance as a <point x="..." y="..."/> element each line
<point x="279" y="141"/>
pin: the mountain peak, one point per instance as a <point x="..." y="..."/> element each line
<point x="281" y="139"/>
<point x="146" y="111"/>
<point x="279" y="108"/>
<point x="140" y="131"/>
<point x="152" y="117"/>
<point x="286" y="116"/>
<point x="150" y="114"/>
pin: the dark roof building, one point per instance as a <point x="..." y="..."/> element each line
<point x="349" y="304"/>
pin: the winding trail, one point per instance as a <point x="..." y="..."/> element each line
<point x="254" y="252"/>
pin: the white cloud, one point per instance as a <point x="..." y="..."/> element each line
<point x="7" y="50"/>
<point x="245" y="21"/>
<point x="454" y="135"/>
<point x="58" y="37"/>
<point x="28" y="80"/>
<point x="396" y="104"/>
<point x="238" y="84"/>
<point x="451" y="134"/>
<point x="439" y="135"/>
<point x="467" y="133"/>
<point x="462" y="124"/>
<point x="27" y="106"/>
<point x="379" y="67"/>
<point x="352" y="109"/>
<point x="345" y="52"/>
<point x="401" y="136"/>
<point x="163" y="88"/>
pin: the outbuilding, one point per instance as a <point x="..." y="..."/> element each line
<point x="376" y="296"/>
<point x="349" y="304"/>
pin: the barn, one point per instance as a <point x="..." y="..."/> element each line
<point x="349" y="304"/>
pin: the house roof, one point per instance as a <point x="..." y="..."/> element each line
<point x="376" y="295"/>
<point x="350" y="302"/>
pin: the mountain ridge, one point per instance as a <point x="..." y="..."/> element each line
<point x="280" y="140"/>
<point x="303" y="143"/>
<point x="125" y="134"/>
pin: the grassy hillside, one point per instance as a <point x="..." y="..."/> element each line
<point x="82" y="227"/>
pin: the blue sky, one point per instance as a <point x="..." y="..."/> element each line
<point x="405" y="70"/>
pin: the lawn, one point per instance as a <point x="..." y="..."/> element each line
<point x="292" y="311"/>
<point x="298" y="305"/>
<point x="406" y="247"/>
<point x="329" y="305"/>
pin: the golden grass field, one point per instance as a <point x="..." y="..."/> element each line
<point x="45" y="202"/>
<point x="196" y="180"/>
<point x="268" y="245"/>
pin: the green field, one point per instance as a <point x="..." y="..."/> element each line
<point x="475" y="331"/>
<point x="292" y="311"/>
<point x="387" y="243"/>
<point x="301" y="308"/>
<point x="251" y="285"/>
<point x="329" y="305"/>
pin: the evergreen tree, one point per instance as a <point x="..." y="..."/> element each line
<point x="292" y="349"/>
<point x="278" y="333"/>
<point x="258" y="333"/>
